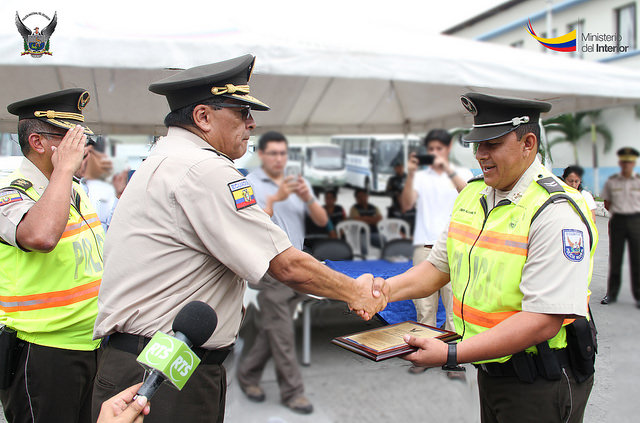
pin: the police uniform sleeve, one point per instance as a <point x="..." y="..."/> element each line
<point x="222" y="210"/>
<point x="555" y="274"/>
<point x="606" y="191"/>
<point x="14" y="204"/>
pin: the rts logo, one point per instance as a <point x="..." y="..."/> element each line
<point x="159" y="351"/>
<point x="567" y="42"/>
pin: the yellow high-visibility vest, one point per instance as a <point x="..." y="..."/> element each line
<point x="487" y="251"/>
<point x="50" y="298"/>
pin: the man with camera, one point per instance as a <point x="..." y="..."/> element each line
<point x="432" y="185"/>
<point x="287" y="199"/>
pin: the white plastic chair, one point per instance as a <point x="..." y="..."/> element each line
<point x="352" y="230"/>
<point x="391" y="228"/>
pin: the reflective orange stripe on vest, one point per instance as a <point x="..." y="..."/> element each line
<point x="50" y="299"/>
<point x="74" y="228"/>
<point x="514" y="244"/>
<point x="480" y="318"/>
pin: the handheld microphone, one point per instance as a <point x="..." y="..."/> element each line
<point x="170" y="358"/>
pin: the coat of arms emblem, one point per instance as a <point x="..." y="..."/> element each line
<point x="36" y="41"/>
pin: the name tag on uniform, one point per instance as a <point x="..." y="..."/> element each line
<point x="242" y="193"/>
<point x="8" y="197"/>
<point x="573" y="244"/>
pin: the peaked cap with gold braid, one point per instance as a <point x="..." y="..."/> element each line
<point x="61" y="108"/>
<point x="226" y="79"/>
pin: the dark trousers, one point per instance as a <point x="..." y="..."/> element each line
<point x="275" y="339"/>
<point x="624" y="228"/>
<point x="51" y="384"/>
<point x="505" y="399"/>
<point x="202" y="399"/>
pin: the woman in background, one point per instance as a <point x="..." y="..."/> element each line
<point x="573" y="177"/>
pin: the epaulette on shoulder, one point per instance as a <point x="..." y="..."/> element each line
<point x="476" y="179"/>
<point x="550" y="184"/>
<point x="22" y="184"/>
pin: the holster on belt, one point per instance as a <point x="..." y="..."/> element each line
<point x="547" y="362"/>
<point x="582" y="347"/>
<point x="524" y="367"/>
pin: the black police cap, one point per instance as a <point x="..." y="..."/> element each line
<point x="61" y="108"/>
<point x="223" y="79"/>
<point x="495" y="116"/>
<point x="628" y="154"/>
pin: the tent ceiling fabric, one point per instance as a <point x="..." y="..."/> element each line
<point x="316" y="88"/>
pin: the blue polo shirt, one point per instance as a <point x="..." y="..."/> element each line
<point x="288" y="214"/>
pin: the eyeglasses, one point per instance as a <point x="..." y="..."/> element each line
<point x="276" y="153"/>
<point x="245" y="110"/>
<point x="53" y="134"/>
<point x="90" y="141"/>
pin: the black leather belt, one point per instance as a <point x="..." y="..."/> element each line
<point x="507" y="369"/>
<point x="134" y="344"/>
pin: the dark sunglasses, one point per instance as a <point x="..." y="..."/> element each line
<point x="245" y="110"/>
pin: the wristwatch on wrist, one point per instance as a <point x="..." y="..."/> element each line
<point x="310" y="201"/>
<point x="452" y="359"/>
<point x="452" y="174"/>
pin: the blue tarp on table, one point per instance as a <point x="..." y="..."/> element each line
<point x="397" y="311"/>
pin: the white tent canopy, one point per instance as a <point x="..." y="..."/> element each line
<point x="379" y="82"/>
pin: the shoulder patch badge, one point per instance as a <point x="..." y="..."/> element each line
<point x="242" y="193"/>
<point x="573" y="244"/>
<point x="9" y="196"/>
<point x="21" y="183"/>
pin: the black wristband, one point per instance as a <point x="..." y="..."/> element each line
<point x="452" y="358"/>
<point x="452" y="355"/>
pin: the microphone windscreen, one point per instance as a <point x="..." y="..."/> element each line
<point x="197" y="321"/>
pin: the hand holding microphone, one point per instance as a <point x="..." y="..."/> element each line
<point x="170" y="358"/>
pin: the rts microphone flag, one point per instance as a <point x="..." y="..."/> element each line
<point x="169" y="358"/>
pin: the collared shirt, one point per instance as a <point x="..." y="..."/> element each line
<point x="181" y="233"/>
<point x="622" y="193"/>
<point x="436" y="195"/>
<point x="12" y="211"/>
<point x="288" y="214"/>
<point x="551" y="283"/>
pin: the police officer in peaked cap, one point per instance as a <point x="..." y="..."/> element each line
<point x="51" y="258"/>
<point x="187" y="228"/>
<point x="621" y="194"/>
<point x="517" y="251"/>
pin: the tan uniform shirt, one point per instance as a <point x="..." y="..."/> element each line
<point x="551" y="283"/>
<point x="14" y="204"/>
<point x="178" y="236"/>
<point x="622" y="193"/>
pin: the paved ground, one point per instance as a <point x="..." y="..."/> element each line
<point x="345" y="387"/>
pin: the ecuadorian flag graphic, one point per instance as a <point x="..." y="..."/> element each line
<point x="566" y="42"/>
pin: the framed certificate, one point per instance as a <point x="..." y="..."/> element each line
<point x="387" y="341"/>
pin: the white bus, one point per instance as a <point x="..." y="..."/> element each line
<point x="369" y="158"/>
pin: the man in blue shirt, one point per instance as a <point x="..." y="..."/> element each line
<point x="287" y="200"/>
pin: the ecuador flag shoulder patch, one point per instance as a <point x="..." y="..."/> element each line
<point x="242" y="193"/>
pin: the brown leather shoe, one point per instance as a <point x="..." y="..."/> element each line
<point x="253" y="392"/>
<point x="300" y="404"/>
<point x="416" y="370"/>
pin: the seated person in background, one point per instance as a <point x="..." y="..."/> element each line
<point x="572" y="175"/>
<point x="365" y="212"/>
<point x="336" y="215"/>
<point x="394" y="189"/>
<point x="335" y="211"/>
